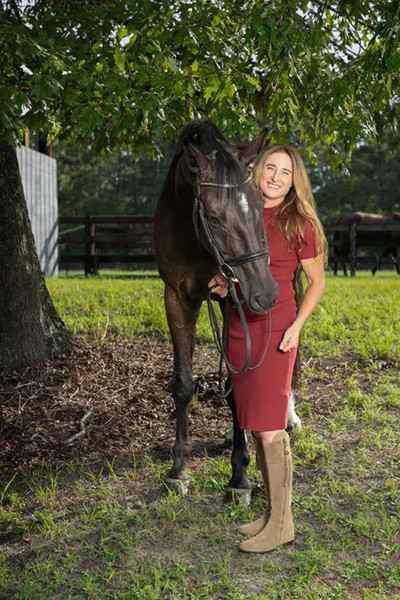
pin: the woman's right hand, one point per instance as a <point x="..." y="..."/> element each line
<point x="221" y="283"/>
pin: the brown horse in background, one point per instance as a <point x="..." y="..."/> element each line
<point x="389" y="239"/>
<point x="209" y="211"/>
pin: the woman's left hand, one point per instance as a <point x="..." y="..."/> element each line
<point x="290" y="339"/>
<point x="220" y="285"/>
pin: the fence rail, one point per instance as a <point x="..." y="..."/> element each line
<point x="132" y="235"/>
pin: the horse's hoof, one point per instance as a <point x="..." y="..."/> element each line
<point x="243" y="495"/>
<point x="295" y="424"/>
<point x="178" y="486"/>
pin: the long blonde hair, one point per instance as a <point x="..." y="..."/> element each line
<point x="299" y="205"/>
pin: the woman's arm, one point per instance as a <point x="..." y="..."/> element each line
<point x="314" y="272"/>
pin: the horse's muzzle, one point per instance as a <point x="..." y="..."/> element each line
<point x="261" y="304"/>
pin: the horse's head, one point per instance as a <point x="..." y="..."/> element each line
<point x="228" y="217"/>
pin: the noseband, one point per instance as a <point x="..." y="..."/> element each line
<point x="226" y="268"/>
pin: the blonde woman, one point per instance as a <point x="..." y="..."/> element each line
<point x="295" y="236"/>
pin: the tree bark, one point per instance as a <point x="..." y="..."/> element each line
<point x="30" y="328"/>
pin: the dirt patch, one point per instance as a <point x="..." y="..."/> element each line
<point x="120" y="394"/>
<point x="122" y="391"/>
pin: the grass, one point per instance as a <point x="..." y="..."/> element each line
<point x="357" y="316"/>
<point x="70" y="532"/>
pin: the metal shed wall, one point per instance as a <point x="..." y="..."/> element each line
<point x="39" y="180"/>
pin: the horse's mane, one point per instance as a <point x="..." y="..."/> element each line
<point x="210" y="141"/>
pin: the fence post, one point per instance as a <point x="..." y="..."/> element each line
<point x="89" y="246"/>
<point x="353" y="249"/>
<point x="93" y="256"/>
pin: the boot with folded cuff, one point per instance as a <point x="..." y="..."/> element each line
<point x="279" y="528"/>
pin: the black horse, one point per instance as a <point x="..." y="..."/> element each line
<point x="390" y="240"/>
<point x="208" y="217"/>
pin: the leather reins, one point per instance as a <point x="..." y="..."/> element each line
<point x="226" y="268"/>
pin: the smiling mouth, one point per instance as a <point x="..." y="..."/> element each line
<point x="273" y="186"/>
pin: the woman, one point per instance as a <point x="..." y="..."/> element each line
<point x="294" y="235"/>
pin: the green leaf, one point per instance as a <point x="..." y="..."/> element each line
<point x="195" y="66"/>
<point x="211" y="89"/>
<point x="122" y="32"/>
<point x="172" y="63"/>
<point x="119" y="58"/>
<point x="253" y="81"/>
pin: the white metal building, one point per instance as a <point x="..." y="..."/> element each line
<point x="39" y="180"/>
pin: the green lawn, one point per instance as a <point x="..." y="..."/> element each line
<point x="73" y="532"/>
<point x="360" y="315"/>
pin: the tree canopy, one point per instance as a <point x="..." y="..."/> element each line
<point x="114" y="74"/>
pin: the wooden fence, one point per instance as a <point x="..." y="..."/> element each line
<point x="89" y="242"/>
<point x="130" y="238"/>
<point x="375" y="238"/>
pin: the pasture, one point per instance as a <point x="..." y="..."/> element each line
<point x="85" y="519"/>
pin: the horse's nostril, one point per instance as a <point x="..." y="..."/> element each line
<point x="257" y="305"/>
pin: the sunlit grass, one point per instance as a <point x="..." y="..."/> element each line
<point x="358" y="316"/>
<point x="70" y="532"/>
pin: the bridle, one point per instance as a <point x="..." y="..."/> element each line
<point x="225" y="264"/>
<point x="226" y="267"/>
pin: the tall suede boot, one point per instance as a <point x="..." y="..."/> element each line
<point x="279" y="529"/>
<point x="258" y="525"/>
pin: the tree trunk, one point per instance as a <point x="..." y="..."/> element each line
<point x="30" y="329"/>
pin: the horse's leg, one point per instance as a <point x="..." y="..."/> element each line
<point x="335" y="268"/>
<point x="344" y="269"/>
<point x="394" y="255"/>
<point x="238" y="486"/>
<point x="293" y="420"/>
<point x="376" y="266"/>
<point x="182" y="324"/>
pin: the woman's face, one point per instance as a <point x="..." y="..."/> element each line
<point x="276" y="178"/>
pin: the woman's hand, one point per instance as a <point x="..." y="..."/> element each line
<point x="290" y="339"/>
<point x="221" y="283"/>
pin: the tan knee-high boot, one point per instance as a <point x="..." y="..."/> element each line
<point x="258" y="525"/>
<point x="279" y="530"/>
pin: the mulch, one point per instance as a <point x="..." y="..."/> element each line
<point x="104" y="401"/>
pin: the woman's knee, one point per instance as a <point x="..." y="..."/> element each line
<point x="266" y="436"/>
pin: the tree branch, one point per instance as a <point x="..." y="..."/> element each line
<point x="14" y="5"/>
<point x="82" y="429"/>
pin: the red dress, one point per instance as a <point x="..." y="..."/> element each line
<point x="262" y="395"/>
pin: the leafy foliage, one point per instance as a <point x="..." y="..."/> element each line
<point x="126" y="74"/>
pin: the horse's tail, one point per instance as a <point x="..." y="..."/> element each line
<point x="299" y="293"/>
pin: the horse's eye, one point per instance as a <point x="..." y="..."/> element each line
<point x="213" y="221"/>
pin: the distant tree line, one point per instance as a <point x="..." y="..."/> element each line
<point x="118" y="184"/>
<point x="123" y="184"/>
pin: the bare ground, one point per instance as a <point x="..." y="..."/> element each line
<point x="121" y="390"/>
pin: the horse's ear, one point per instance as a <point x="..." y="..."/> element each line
<point x="248" y="154"/>
<point x="198" y="162"/>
